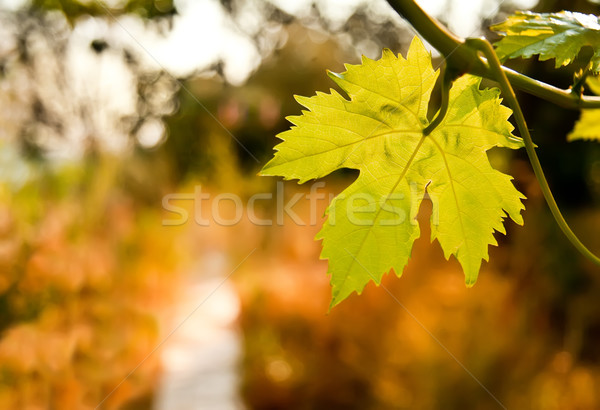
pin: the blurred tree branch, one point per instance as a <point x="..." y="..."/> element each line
<point x="72" y="9"/>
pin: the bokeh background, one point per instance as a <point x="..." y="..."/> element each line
<point x="106" y="107"/>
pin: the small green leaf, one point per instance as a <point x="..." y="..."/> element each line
<point x="549" y="35"/>
<point x="587" y="127"/>
<point x="371" y="225"/>
<point x="594" y="84"/>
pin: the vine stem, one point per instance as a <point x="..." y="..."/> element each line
<point x="465" y="60"/>
<point x="500" y="76"/>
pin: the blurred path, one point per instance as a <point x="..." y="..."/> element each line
<point x="201" y="359"/>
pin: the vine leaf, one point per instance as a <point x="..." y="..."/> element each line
<point x="588" y="125"/>
<point x="594" y="84"/>
<point x="550" y="35"/>
<point x="371" y="225"/>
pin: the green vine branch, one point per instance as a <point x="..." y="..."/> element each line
<point x="500" y="76"/>
<point x="466" y="60"/>
<point x="462" y="56"/>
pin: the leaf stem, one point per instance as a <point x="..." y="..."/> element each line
<point x="500" y="76"/>
<point x="579" y="80"/>
<point x="445" y="86"/>
<point x="465" y="60"/>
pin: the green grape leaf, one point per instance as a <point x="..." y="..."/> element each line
<point x="593" y="84"/>
<point x="551" y="35"/>
<point x="371" y="225"/>
<point x="587" y="127"/>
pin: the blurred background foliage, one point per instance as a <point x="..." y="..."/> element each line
<point x="74" y="9"/>
<point x="102" y="116"/>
